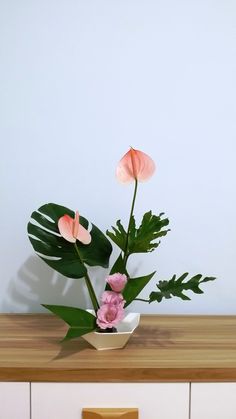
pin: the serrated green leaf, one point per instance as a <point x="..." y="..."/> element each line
<point x="60" y="254"/>
<point x="208" y="278"/>
<point x="80" y="321"/>
<point x="151" y="228"/>
<point x="181" y="278"/>
<point x="175" y="287"/>
<point x="141" y="240"/>
<point x="134" y="286"/>
<point x="118" y="235"/>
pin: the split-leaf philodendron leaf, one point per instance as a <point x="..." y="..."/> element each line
<point x="141" y="239"/>
<point x="60" y="254"/>
<point x="175" y="287"/>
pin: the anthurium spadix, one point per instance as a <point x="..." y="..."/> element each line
<point x="71" y="230"/>
<point x="135" y="165"/>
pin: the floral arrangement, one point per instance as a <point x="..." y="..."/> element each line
<point x="61" y="238"/>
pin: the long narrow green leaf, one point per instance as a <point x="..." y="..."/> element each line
<point x="80" y="321"/>
<point x="134" y="286"/>
<point x="119" y="266"/>
<point x="76" y="332"/>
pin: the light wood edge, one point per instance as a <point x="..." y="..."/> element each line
<point x="122" y="375"/>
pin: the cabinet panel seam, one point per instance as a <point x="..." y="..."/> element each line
<point x="190" y="400"/>
<point x="30" y="402"/>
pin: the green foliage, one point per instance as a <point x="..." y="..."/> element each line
<point x="141" y="240"/>
<point x="60" y="254"/>
<point x="119" y="235"/>
<point x="70" y="260"/>
<point x="176" y="286"/>
<point x="151" y="228"/>
<point x="119" y="266"/>
<point x="134" y="286"/>
<point x="80" y="321"/>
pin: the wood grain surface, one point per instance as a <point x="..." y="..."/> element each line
<point x="162" y="349"/>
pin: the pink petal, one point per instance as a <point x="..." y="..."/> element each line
<point x="114" y="298"/>
<point x="135" y="165"/>
<point x="83" y="235"/>
<point x="145" y="166"/>
<point x="117" y="281"/>
<point x="124" y="171"/>
<point x="109" y="315"/>
<point x="65" y="226"/>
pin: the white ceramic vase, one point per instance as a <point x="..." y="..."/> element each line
<point x="104" y="341"/>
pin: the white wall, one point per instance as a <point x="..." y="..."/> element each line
<point x="81" y="80"/>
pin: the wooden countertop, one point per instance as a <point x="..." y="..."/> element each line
<point x="163" y="348"/>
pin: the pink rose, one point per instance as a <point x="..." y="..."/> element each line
<point x="111" y="297"/>
<point x="108" y="315"/>
<point x="117" y="281"/>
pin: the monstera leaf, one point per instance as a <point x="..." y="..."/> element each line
<point x="175" y="287"/>
<point x="60" y="254"/>
<point x="141" y="239"/>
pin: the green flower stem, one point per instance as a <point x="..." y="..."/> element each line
<point x="141" y="299"/>
<point x="126" y="255"/>
<point x="89" y="285"/>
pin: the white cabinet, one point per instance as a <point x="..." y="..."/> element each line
<point x="213" y="401"/>
<point x="154" y="400"/>
<point x="14" y="400"/>
<point x="66" y="400"/>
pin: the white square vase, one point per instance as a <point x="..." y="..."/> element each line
<point x="104" y="341"/>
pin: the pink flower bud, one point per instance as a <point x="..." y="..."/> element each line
<point x="117" y="281"/>
<point x="108" y="315"/>
<point x="111" y="297"/>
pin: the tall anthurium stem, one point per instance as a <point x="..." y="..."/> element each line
<point x="126" y="254"/>
<point x="89" y="285"/>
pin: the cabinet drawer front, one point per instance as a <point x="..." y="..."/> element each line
<point x="14" y="400"/>
<point x="213" y="401"/>
<point x="66" y="400"/>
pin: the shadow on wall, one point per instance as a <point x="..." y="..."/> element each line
<point x="36" y="283"/>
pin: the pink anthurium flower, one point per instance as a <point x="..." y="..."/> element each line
<point x="135" y="165"/>
<point x="71" y="230"/>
